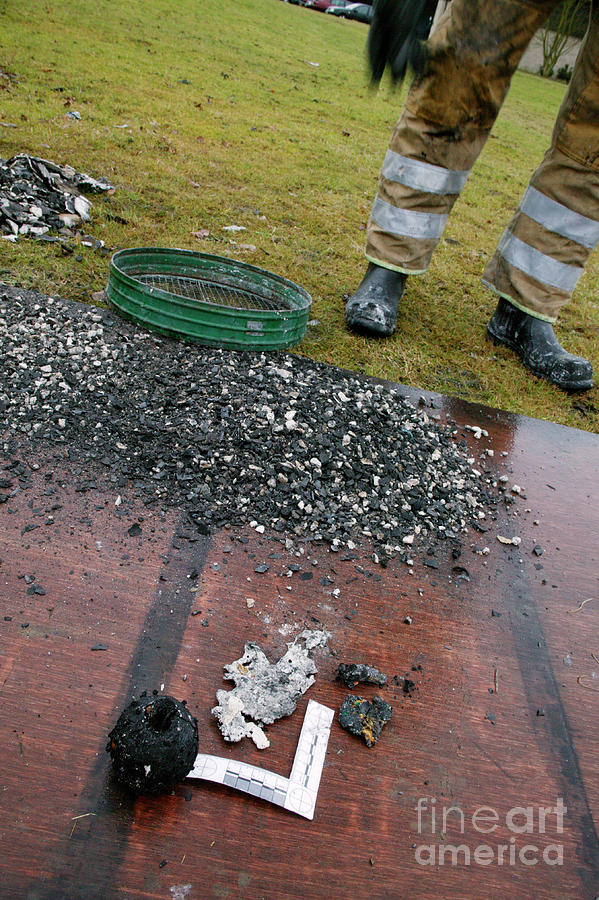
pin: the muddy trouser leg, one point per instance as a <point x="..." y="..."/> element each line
<point x="546" y="245"/>
<point x="446" y="121"/>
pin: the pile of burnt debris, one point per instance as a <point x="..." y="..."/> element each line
<point x="38" y="197"/>
<point x="272" y="440"/>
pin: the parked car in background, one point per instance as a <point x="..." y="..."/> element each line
<point x="320" y="5"/>
<point x="340" y="7"/>
<point x="362" y="12"/>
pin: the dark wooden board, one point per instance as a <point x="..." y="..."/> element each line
<point x="170" y="608"/>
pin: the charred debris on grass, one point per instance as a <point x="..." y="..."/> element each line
<point x="43" y="200"/>
<point x="272" y="440"/>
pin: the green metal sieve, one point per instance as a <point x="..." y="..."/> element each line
<point x="209" y="299"/>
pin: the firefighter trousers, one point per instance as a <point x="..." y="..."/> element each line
<point x="449" y="112"/>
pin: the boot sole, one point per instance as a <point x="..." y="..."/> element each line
<point x="366" y="326"/>
<point x="565" y="385"/>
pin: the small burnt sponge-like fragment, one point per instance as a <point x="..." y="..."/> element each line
<point x="359" y="673"/>
<point x="364" y="718"/>
<point x="154" y="744"/>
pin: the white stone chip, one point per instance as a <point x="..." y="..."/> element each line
<point x="514" y="541"/>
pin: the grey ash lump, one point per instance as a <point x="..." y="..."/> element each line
<point x="234" y="437"/>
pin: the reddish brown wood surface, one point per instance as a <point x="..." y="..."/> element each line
<point x="66" y="830"/>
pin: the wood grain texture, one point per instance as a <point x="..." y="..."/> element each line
<point x="169" y="606"/>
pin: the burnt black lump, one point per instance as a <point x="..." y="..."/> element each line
<point x="365" y="718"/>
<point x="153" y="744"/>
<point x="352" y="674"/>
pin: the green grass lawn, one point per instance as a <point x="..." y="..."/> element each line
<point x="258" y="113"/>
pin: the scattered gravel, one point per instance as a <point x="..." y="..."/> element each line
<point x="270" y="440"/>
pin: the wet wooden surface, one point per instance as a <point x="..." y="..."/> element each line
<point x="498" y="717"/>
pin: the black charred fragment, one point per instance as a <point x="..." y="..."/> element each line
<point x="406" y="683"/>
<point x="352" y="674"/>
<point x="365" y="718"/>
<point x="153" y="744"/>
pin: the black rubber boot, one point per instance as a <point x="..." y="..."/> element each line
<point x="372" y="309"/>
<point x="537" y="346"/>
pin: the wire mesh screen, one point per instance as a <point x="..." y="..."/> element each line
<point x="209" y="292"/>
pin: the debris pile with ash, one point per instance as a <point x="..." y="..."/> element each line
<point x="37" y="196"/>
<point x="271" y="440"/>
